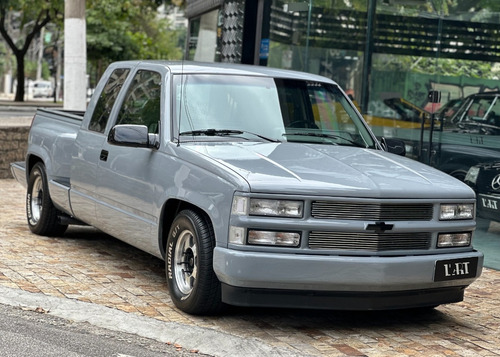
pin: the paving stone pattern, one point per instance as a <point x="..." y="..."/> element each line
<point x="90" y="266"/>
<point x="13" y="144"/>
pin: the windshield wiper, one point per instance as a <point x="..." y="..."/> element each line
<point x="225" y="132"/>
<point x="323" y="135"/>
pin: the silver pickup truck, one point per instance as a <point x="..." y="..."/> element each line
<point x="257" y="186"/>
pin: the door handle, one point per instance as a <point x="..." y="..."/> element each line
<point x="104" y="155"/>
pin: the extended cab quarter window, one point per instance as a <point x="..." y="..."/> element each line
<point x="107" y="99"/>
<point x="142" y="102"/>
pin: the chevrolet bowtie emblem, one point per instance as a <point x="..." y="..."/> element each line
<point x="379" y="227"/>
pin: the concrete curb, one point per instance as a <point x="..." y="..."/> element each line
<point x="205" y="340"/>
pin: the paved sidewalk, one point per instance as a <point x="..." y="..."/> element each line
<point x="86" y="266"/>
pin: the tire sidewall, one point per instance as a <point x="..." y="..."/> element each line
<point x="180" y="225"/>
<point x="48" y="223"/>
<point x="36" y="172"/>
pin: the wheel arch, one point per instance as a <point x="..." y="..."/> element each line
<point x="169" y="211"/>
<point x="32" y="160"/>
<point x="458" y="169"/>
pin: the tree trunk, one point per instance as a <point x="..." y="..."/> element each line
<point x="20" y="77"/>
<point x="42" y="20"/>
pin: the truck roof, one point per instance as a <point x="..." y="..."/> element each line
<point x="191" y="67"/>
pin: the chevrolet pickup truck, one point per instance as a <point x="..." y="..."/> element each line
<point x="256" y="186"/>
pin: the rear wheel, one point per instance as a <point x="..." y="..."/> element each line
<point x="192" y="283"/>
<point x="40" y="211"/>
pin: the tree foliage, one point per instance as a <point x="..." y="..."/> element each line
<point x="124" y="30"/>
<point x="443" y="7"/>
<point x="472" y="10"/>
<point x="436" y="66"/>
<point x="28" y="17"/>
<point x="116" y="30"/>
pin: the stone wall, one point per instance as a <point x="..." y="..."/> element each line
<point x="13" y="145"/>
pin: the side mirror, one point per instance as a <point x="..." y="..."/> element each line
<point x="133" y="136"/>
<point x="394" y="146"/>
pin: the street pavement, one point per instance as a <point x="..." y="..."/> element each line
<point x="27" y="333"/>
<point x="87" y="276"/>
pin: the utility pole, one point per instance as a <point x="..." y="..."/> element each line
<point x="75" y="55"/>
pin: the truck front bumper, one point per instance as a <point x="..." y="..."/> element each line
<point x="339" y="282"/>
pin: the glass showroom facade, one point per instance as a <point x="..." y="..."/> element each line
<point x="424" y="71"/>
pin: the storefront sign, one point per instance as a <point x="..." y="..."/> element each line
<point x="264" y="48"/>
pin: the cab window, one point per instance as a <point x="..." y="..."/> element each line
<point x="107" y="99"/>
<point x="142" y="101"/>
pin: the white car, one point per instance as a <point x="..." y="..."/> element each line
<point x="42" y="89"/>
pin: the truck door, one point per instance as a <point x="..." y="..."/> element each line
<point x="89" y="141"/>
<point x="125" y="174"/>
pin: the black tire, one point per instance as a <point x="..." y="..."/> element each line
<point x="459" y="174"/>
<point x="40" y="211"/>
<point x="192" y="283"/>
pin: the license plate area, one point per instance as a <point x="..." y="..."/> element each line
<point x="453" y="269"/>
<point x="489" y="202"/>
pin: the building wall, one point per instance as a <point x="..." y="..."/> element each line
<point x="233" y="16"/>
<point x="13" y="145"/>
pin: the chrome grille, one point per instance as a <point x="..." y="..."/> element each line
<point x="369" y="241"/>
<point x="372" y="211"/>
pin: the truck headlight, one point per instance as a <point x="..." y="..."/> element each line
<point x="447" y="240"/>
<point x="472" y="175"/>
<point x="266" y="207"/>
<point x="261" y="237"/>
<point x="456" y="211"/>
<point x="287" y="239"/>
<point x="277" y="208"/>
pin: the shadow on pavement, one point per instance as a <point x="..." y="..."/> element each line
<point x="487" y="240"/>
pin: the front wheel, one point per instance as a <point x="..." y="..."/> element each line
<point x="459" y="174"/>
<point x="192" y="283"/>
<point x="40" y="211"/>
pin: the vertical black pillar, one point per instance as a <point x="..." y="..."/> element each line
<point x="256" y="32"/>
<point x="367" y="58"/>
<point x="249" y="33"/>
<point x="263" y="50"/>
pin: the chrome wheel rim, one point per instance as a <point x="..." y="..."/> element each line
<point x="186" y="262"/>
<point x="36" y="200"/>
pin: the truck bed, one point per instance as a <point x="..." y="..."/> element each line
<point x="52" y="134"/>
<point x="73" y="116"/>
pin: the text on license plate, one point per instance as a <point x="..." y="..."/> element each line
<point x="489" y="203"/>
<point x="455" y="269"/>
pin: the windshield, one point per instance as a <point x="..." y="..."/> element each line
<point x="209" y="107"/>
<point x="482" y="109"/>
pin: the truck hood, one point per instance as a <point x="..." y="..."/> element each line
<point x="314" y="169"/>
